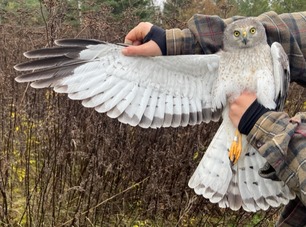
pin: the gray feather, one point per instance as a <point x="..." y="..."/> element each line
<point x="72" y="52"/>
<point x="78" y="42"/>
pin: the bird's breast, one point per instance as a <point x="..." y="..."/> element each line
<point x="243" y="65"/>
<point x="239" y="70"/>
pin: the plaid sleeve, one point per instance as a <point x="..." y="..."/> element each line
<point x="289" y="30"/>
<point x="282" y="142"/>
<point x="182" y="42"/>
<point x="203" y="36"/>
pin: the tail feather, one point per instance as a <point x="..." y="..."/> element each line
<point x="213" y="174"/>
<point x="262" y="193"/>
<point x="233" y="194"/>
<point x="238" y="185"/>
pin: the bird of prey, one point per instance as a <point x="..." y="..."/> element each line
<point x="173" y="91"/>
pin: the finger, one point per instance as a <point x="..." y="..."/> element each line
<point x="133" y="43"/>
<point x="147" y="49"/>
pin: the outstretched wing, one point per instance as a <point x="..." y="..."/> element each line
<point x="281" y="74"/>
<point x="160" y="91"/>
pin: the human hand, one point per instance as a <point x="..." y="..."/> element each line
<point x="135" y="39"/>
<point x="238" y="107"/>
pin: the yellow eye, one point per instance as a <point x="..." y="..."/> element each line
<point x="236" y="33"/>
<point x="252" y="30"/>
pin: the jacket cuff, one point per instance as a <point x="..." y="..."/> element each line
<point x="158" y="35"/>
<point x="250" y="117"/>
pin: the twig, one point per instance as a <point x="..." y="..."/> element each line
<point x="44" y="19"/>
<point x="108" y="199"/>
<point x="187" y="208"/>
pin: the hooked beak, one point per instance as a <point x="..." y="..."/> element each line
<point x="244" y="37"/>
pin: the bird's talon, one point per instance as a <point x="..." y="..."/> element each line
<point x="236" y="148"/>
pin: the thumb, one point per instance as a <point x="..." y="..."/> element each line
<point x="138" y="33"/>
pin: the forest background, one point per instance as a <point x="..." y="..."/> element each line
<point x="65" y="165"/>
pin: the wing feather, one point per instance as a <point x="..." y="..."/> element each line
<point x="160" y="111"/>
<point x="148" y="115"/>
<point x="119" y="94"/>
<point x="168" y="111"/>
<point x="130" y="111"/>
<point x="281" y="74"/>
<point x="142" y="106"/>
<point x="193" y="111"/>
<point x="185" y="112"/>
<point x="177" y="110"/>
<point x="118" y="110"/>
<point x="170" y="87"/>
<point x="104" y="92"/>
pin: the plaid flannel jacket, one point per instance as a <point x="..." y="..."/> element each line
<point x="281" y="140"/>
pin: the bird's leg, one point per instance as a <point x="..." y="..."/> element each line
<point x="236" y="147"/>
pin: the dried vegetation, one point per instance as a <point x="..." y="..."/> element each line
<point x="64" y="165"/>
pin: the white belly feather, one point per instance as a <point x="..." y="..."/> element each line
<point x="231" y="82"/>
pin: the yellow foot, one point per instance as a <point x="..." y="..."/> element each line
<point x="236" y="148"/>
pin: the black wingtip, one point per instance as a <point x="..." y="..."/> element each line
<point x="77" y="42"/>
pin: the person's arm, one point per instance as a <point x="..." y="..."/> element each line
<point x="204" y="35"/>
<point x="281" y="140"/>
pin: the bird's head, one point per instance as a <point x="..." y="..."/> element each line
<point x="244" y="33"/>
